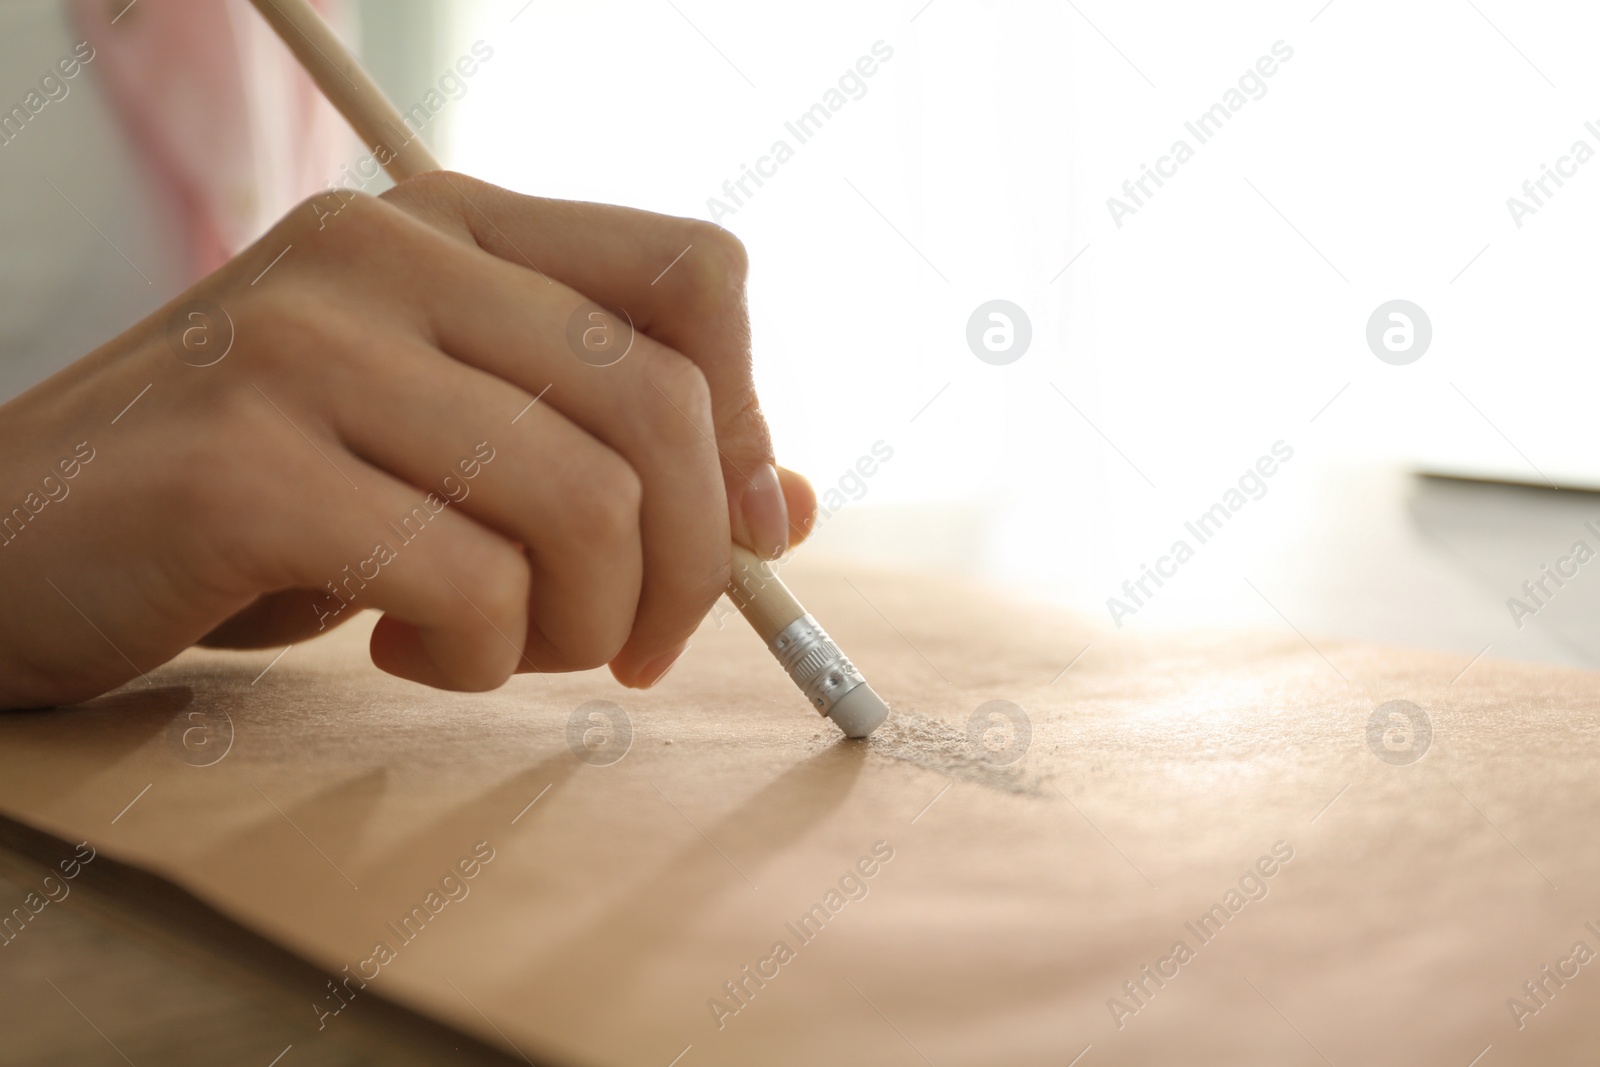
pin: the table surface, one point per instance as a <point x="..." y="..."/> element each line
<point x="1190" y="849"/>
<point x="121" y="953"/>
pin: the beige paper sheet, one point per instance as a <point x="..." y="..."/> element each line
<point x="1018" y="901"/>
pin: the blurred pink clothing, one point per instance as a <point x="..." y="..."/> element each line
<point x="220" y="111"/>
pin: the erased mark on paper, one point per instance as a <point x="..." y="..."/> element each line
<point x="937" y="746"/>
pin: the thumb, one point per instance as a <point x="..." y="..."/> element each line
<point x="772" y="510"/>
<point x="802" y="502"/>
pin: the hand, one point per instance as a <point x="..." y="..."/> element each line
<point x="367" y="440"/>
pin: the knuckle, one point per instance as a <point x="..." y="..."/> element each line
<point x="725" y="255"/>
<point x="370" y="216"/>
<point x="678" y="398"/>
<point x="602" y="506"/>
<point x="337" y="230"/>
<point x="438" y="194"/>
<point x="717" y="266"/>
<point x="322" y="210"/>
<point x="432" y="186"/>
<point x="496" y="578"/>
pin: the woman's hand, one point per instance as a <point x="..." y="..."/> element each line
<point x="425" y="403"/>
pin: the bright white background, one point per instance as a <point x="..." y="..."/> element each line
<point x="1222" y="317"/>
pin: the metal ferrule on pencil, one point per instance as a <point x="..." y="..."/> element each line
<point x="823" y="673"/>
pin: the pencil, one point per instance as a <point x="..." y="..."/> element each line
<point x="812" y="660"/>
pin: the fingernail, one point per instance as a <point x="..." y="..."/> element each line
<point x="657" y="669"/>
<point x="761" y="518"/>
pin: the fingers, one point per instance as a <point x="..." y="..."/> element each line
<point x="454" y="594"/>
<point x="681" y="281"/>
<point x="801" y="502"/>
<point x="688" y="429"/>
<point x="653" y="408"/>
<point x="523" y="469"/>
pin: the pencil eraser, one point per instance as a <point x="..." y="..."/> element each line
<point x="859" y="712"/>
